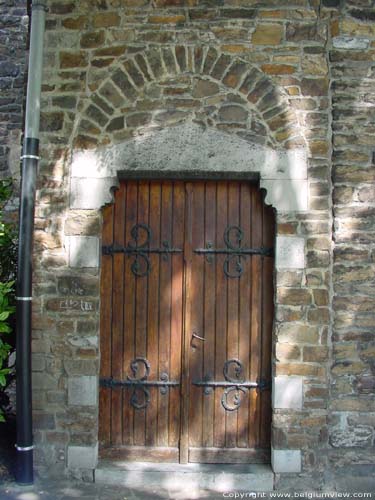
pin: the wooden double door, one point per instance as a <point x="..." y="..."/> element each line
<point x="186" y="322"/>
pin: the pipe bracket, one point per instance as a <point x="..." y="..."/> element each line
<point x="24" y="448"/>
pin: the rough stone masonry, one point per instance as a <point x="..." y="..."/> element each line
<point x="273" y="78"/>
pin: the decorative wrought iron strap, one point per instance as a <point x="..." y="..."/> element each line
<point x="233" y="236"/>
<point x="139" y="248"/>
<point x="235" y="385"/>
<point x="140" y="397"/>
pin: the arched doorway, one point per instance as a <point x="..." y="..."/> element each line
<point x="186" y="322"/>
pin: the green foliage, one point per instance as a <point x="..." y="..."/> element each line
<point x="7" y="308"/>
<point x="8" y="246"/>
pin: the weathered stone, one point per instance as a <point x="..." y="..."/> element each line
<point x="205" y="88"/>
<point x="113" y="50"/>
<point x="154" y="60"/>
<point x="221" y="66"/>
<point x="234" y="74"/>
<point x="287" y="351"/>
<point x="73" y="59"/>
<point x="298" y="32"/>
<point x="267" y="34"/>
<point x="294" y="296"/>
<point x="123" y="83"/>
<point x="209" y="60"/>
<point x="65" y="102"/>
<point x="301" y="369"/>
<point x="77" y="286"/>
<point x="75" y="23"/>
<point x="181" y="57"/>
<point x="92" y="39"/>
<point x="134" y="73"/>
<point x="115" y="124"/>
<point x="233" y="113"/>
<point x="51" y="122"/>
<point x="96" y="115"/>
<point x="169" y="61"/>
<point x="106" y="19"/>
<point x="278" y="69"/>
<point x="315" y="354"/>
<point x="294" y="333"/>
<point x="111" y="94"/>
<point x="170" y="116"/>
<point x="138" y="119"/>
<point x="353" y="436"/>
<point x="314" y="86"/>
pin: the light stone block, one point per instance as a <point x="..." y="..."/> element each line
<point x="286" y="460"/>
<point x="290" y="252"/>
<point x="91" y="193"/>
<point x="287" y="392"/>
<point x="82" y="391"/>
<point x="350" y="43"/>
<point x="286" y="195"/>
<point x="83" y="251"/>
<point x="82" y="457"/>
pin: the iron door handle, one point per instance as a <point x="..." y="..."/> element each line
<point x="196" y="336"/>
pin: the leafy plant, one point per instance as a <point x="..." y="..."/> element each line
<point x="8" y="247"/>
<point x="7" y="308"/>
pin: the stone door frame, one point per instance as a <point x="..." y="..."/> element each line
<point x="94" y="175"/>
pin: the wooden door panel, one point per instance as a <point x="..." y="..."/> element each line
<point x="238" y="340"/>
<point x="183" y="303"/>
<point x="146" y="322"/>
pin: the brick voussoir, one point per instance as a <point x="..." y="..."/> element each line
<point x="235" y="75"/>
<point x="210" y="58"/>
<point x="169" y="59"/>
<point x="135" y="74"/>
<point x="154" y="60"/>
<point x="181" y="53"/>
<point x="221" y="66"/>
<point x="142" y="65"/>
<point x="122" y="82"/>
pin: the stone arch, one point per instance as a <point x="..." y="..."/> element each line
<point x="116" y="99"/>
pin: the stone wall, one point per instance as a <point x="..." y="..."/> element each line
<point x="277" y="80"/>
<point x="13" y="60"/>
<point x="351" y="453"/>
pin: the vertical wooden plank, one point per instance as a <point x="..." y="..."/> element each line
<point x="244" y="313"/>
<point x="209" y="313"/>
<point x="129" y="312"/>
<point x="153" y="311"/>
<point x="165" y="311"/>
<point x="197" y="346"/>
<point x="267" y="324"/>
<point x="178" y="229"/>
<point x="141" y="309"/>
<point x="233" y="304"/>
<point x="256" y="304"/>
<point x="117" y="316"/>
<point x="105" y="329"/>
<point x="221" y="313"/>
<point x="185" y="378"/>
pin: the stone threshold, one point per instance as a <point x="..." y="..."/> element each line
<point x="214" y="477"/>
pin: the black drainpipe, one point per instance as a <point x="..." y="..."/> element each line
<point x="30" y="160"/>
